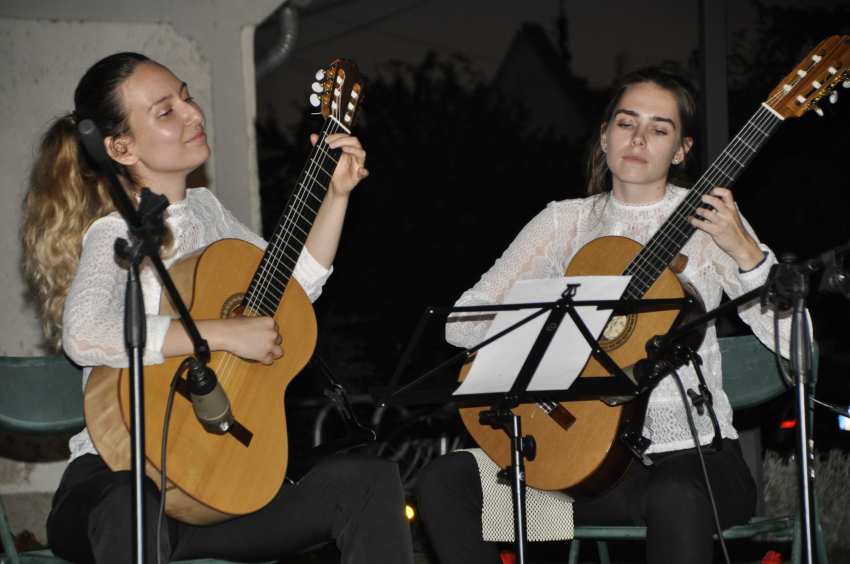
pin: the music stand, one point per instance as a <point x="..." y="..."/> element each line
<point x="619" y="384"/>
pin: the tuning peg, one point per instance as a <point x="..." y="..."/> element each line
<point x="317" y="87"/>
<point x="320" y="74"/>
<point x="833" y="97"/>
<point x="846" y="84"/>
<point x="818" y="111"/>
<point x="314" y="100"/>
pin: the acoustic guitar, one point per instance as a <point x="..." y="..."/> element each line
<point x="578" y="446"/>
<point x="215" y="477"/>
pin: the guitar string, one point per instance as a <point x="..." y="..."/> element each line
<point x="232" y="370"/>
<point x="275" y="251"/>
<point x="287" y="231"/>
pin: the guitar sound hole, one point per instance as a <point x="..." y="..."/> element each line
<point x="620" y="327"/>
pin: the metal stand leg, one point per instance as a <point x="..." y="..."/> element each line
<point x="521" y="448"/>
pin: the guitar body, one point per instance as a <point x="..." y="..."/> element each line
<point x="587" y="460"/>
<point x="211" y="477"/>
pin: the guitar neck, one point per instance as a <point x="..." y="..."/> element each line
<point x="663" y="247"/>
<point x="285" y="246"/>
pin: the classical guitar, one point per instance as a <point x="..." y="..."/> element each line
<point x="215" y="477"/>
<point x="578" y="451"/>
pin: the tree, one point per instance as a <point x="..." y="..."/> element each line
<point x="453" y="178"/>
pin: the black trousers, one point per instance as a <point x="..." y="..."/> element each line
<point x="670" y="500"/>
<point x="352" y="499"/>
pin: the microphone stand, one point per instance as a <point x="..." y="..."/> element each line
<point x="147" y="227"/>
<point x="787" y="287"/>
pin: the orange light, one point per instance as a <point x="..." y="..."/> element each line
<point x="789" y="424"/>
<point x="409" y="512"/>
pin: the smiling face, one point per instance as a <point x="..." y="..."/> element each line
<point x="642" y="140"/>
<point x="167" y="138"/>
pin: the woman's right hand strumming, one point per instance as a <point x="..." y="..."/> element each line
<point x="253" y="338"/>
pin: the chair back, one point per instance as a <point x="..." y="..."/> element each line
<point x="750" y="373"/>
<point x="40" y="395"/>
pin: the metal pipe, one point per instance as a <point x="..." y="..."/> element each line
<point x="283" y="46"/>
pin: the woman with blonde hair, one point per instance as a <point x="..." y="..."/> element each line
<point x="155" y="134"/>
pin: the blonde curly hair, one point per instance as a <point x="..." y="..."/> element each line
<point x="68" y="191"/>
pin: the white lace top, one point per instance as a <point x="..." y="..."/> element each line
<point x="93" y="318"/>
<point x="544" y="248"/>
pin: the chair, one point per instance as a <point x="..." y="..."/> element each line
<point x="41" y="396"/>
<point x="750" y="377"/>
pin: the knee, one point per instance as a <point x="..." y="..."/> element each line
<point x="117" y="496"/>
<point x="447" y="480"/>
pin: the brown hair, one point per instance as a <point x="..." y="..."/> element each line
<point x="598" y="174"/>
<point x="68" y="191"/>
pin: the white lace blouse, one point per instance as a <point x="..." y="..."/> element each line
<point x="93" y="318"/>
<point x="544" y="248"/>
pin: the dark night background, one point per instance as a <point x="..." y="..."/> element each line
<point x="458" y="164"/>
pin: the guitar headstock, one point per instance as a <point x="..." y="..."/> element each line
<point x="814" y="78"/>
<point x="339" y="91"/>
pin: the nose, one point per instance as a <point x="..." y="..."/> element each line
<point x="193" y="114"/>
<point x="638" y="137"/>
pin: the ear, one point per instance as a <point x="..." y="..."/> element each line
<point x="684" y="147"/>
<point x="120" y="149"/>
<point x="603" y="135"/>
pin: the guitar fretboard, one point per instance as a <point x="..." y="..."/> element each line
<point x="662" y="248"/>
<point x="285" y="246"/>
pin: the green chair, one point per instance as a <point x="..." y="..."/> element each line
<point x="41" y="396"/>
<point x="750" y="377"/>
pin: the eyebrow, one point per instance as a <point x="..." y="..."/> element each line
<point x="183" y="87"/>
<point x="653" y="118"/>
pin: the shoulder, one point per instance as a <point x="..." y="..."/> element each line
<point x="201" y="196"/>
<point x="677" y="193"/>
<point x="112" y="225"/>
<point x="574" y="204"/>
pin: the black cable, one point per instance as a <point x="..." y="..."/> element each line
<point x="174" y="382"/>
<point x="702" y="463"/>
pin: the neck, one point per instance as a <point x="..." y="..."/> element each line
<point x="172" y="187"/>
<point x="639" y="194"/>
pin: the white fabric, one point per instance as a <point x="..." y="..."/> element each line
<point x="93" y="318"/>
<point x="544" y="248"/>
<point x="549" y="515"/>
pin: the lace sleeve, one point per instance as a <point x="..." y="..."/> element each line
<point x="93" y="317"/>
<point x="736" y="283"/>
<point x="532" y="255"/>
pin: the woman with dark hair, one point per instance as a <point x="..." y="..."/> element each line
<point x="644" y="144"/>
<point x="155" y="134"/>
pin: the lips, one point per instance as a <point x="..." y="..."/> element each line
<point x="636" y="159"/>
<point x="201" y="136"/>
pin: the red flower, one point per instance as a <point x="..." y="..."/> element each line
<point x="508" y="557"/>
<point x="772" y="558"/>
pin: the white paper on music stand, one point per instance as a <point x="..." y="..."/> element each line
<point x="497" y="365"/>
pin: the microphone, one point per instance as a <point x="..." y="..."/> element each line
<point x="645" y="373"/>
<point x="209" y="401"/>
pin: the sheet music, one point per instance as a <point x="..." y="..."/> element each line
<point x="497" y="365"/>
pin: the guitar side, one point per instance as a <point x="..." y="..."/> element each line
<point x="211" y="477"/>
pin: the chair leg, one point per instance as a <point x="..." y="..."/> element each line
<point x="6" y="537"/>
<point x="602" y="546"/>
<point x="575" y="544"/>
